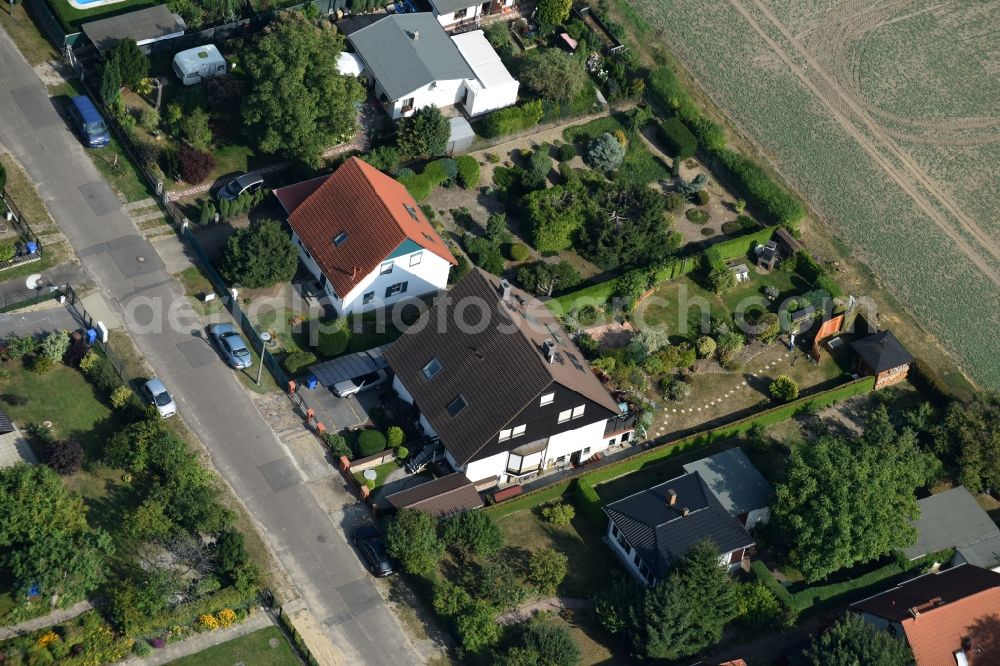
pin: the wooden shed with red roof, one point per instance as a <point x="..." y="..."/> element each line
<point x="364" y="239"/>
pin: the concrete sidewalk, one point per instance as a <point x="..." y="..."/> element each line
<point x="260" y="619"/>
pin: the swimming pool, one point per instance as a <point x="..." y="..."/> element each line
<point x="90" y="4"/>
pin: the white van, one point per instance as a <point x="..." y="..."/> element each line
<point x="193" y="65"/>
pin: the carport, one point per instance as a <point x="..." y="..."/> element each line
<point x="347" y="367"/>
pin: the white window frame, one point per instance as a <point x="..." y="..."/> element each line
<point x="416" y="258"/>
<point x="385" y="268"/>
<point x="518" y="431"/>
<point x="578" y="411"/>
<point x="547" y="399"/>
<point x="565" y="415"/>
<point x="368" y="298"/>
<point x="433" y="374"/>
<point x="505" y="435"/>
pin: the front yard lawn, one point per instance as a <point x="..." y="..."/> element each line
<point x="381" y="472"/>
<point x="266" y="647"/>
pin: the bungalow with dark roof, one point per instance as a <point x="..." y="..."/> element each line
<point x="363" y="237"/>
<point x="503" y="387"/>
<point x="884" y="357"/>
<point x="653" y="529"/>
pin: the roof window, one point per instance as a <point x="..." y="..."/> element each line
<point x="456" y="406"/>
<point x="412" y="211"/>
<point x="432" y="368"/>
<point x="339" y="239"/>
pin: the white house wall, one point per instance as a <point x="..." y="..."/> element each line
<point x="441" y="94"/>
<point x="429" y="276"/>
<point x="487" y="467"/>
<point x="401" y="390"/>
<point x="571" y="441"/>
<point x="313" y="267"/>
<point x="448" y="20"/>
<point x="483" y="100"/>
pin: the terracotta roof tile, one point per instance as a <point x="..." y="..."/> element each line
<point x="376" y="213"/>
<point x="971" y="624"/>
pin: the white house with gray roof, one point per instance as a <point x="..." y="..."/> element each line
<point x="741" y="490"/>
<point x="453" y="14"/>
<point x="954" y="519"/>
<point x="411" y="62"/>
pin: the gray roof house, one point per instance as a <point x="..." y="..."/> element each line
<point x="653" y="529"/>
<point x="741" y="490"/>
<point x="953" y="519"/>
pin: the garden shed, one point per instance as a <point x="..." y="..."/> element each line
<point x="461" y="136"/>
<point x="145" y="26"/>
<point x="193" y="65"/>
<point x="493" y="87"/>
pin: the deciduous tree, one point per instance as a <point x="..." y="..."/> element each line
<point x="412" y="539"/>
<point x="553" y="12"/>
<point x="553" y="74"/>
<point x="259" y="255"/>
<point x="424" y="134"/>
<point x="853" y="641"/>
<point x="473" y="533"/>
<point x="297" y="103"/>
<point x="555" y="215"/>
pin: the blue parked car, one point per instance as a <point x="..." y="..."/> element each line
<point x="231" y="345"/>
<point x="89" y="122"/>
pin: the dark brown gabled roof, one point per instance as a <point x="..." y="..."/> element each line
<point x="439" y="497"/>
<point x="374" y="213"/>
<point x="929" y="591"/>
<point x="882" y="351"/>
<point x="491" y="353"/>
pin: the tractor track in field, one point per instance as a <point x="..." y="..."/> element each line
<point x="875" y="142"/>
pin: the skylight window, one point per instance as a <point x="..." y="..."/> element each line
<point x="456" y="406"/>
<point x="432" y="368"/>
<point x="412" y="211"/>
<point x="339" y="239"/>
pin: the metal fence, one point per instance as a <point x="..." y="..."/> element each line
<point x="18" y="221"/>
<point x="23" y="298"/>
<point x="87" y="321"/>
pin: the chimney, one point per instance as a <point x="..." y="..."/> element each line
<point x="550" y="350"/>
<point x="671" y="497"/>
<point x="685" y="511"/>
<point x="505" y="290"/>
<point x="354" y="272"/>
<point x="416" y="35"/>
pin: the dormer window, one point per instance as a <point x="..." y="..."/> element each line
<point x="432" y="368"/>
<point x="547" y="399"/>
<point x="456" y="406"/>
<point x="339" y="239"/>
<point x="511" y="433"/>
<point x="412" y="211"/>
<point x="578" y="411"/>
<point x="416" y="258"/>
<point x="385" y="268"/>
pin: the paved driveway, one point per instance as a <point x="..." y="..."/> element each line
<point x="127" y="270"/>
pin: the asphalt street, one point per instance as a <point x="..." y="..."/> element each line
<point x="130" y="275"/>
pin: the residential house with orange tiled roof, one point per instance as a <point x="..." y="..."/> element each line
<point x="948" y="618"/>
<point x="364" y="239"/>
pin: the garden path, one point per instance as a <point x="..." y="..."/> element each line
<point x="199" y="642"/>
<point x="554" y="604"/>
<point x="55" y="617"/>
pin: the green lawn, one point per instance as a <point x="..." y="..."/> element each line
<point x="640" y="167"/>
<point x="61" y="396"/>
<point x="381" y="472"/>
<point x="253" y="650"/>
<point x="590" y="561"/>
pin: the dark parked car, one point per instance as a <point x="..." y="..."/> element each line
<point x="244" y="183"/>
<point x="231" y="345"/>
<point x="88" y="122"/>
<point x="373" y="551"/>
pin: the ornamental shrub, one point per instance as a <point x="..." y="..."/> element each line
<point x="513" y="119"/>
<point x="705" y="346"/>
<point x="701" y="197"/>
<point x="338" y="445"/>
<point x="605" y="152"/>
<point x="697" y="215"/>
<point x="18" y="347"/>
<point x="784" y="389"/>
<point x="394" y="437"/>
<point x="296" y="362"/>
<point x="468" y="171"/>
<point x="120" y="396"/>
<point x="566" y="152"/>
<point x="41" y="364"/>
<point x="334" y="343"/>
<point x="559" y="513"/>
<point x="54" y="345"/>
<point x="194" y="164"/>
<point x="402" y="453"/>
<point x="64" y="457"/>
<point x="519" y="252"/>
<point x="370" y="442"/>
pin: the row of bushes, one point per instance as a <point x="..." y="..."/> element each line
<point x="513" y="119"/>
<point x="678" y="140"/>
<point x="667" y="92"/>
<point x="614" y="470"/>
<point x="444" y="171"/>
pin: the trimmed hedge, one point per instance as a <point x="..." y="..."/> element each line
<point x="512" y="119"/>
<point x="370" y="442"/>
<point x="739" y="247"/>
<point x="468" y="171"/>
<point x="763" y="575"/>
<point x="808" y="267"/>
<point x="594" y="294"/>
<point x="784" y="207"/>
<point x="678" y="140"/>
<point x="529" y="500"/>
<point x="589" y="503"/>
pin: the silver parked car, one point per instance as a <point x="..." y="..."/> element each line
<point x="231" y="345"/>
<point x="244" y="183"/>
<point x="360" y="383"/>
<point x="156" y="393"/>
